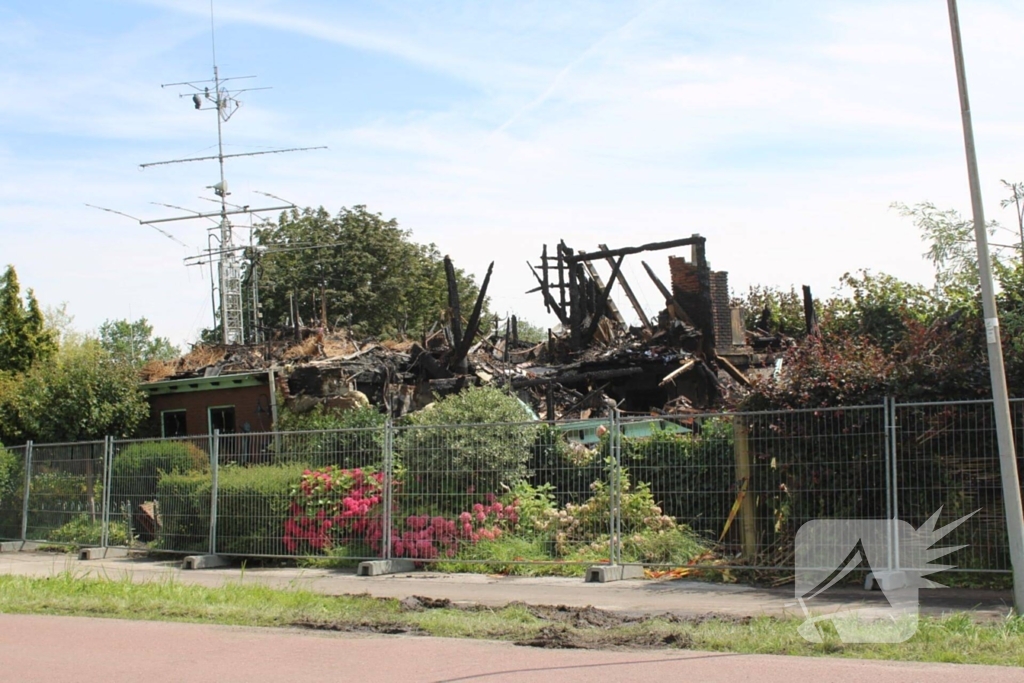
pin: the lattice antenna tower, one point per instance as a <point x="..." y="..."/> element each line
<point x="218" y="95"/>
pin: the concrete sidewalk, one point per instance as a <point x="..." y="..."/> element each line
<point x="683" y="597"/>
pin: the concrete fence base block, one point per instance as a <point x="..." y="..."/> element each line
<point x="205" y="562"/>
<point x="18" y="546"/>
<point x="885" y="580"/>
<point x="379" y="567"/>
<point x="603" y="573"/>
<point x="101" y="553"/>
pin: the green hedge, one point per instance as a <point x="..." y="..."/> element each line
<point x="570" y="468"/>
<point x="137" y="468"/>
<point x="252" y="506"/>
<point x="344" y="438"/>
<point x="691" y="475"/>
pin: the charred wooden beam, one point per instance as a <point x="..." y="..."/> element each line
<point x="576" y="377"/>
<point x="670" y="300"/>
<point x="592" y="394"/>
<point x="671" y="377"/>
<point x="473" y="323"/>
<point x="420" y="356"/>
<point x="575" y="301"/>
<point x="561" y="277"/>
<point x="591" y="292"/>
<point x="613" y="310"/>
<point x="544" y="272"/>
<point x="559" y="311"/>
<point x="810" y="316"/>
<point x="602" y="300"/>
<point x="629" y="292"/>
<point x="453" y="301"/>
<point x="625" y="251"/>
<point x="733" y="371"/>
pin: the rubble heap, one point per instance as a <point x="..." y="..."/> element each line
<point x="690" y="356"/>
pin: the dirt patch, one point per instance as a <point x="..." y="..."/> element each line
<point x="561" y="627"/>
<point x="418" y="603"/>
<point x="381" y="627"/>
<point x="564" y="637"/>
<point x="579" y="617"/>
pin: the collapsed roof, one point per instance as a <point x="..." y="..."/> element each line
<point x="691" y="356"/>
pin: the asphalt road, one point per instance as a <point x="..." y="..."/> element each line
<point x="55" y="649"/>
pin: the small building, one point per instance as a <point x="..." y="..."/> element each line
<point x="196" y="406"/>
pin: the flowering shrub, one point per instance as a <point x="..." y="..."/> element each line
<point x="335" y="507"/>
<point x="332" y="505"/>
<point x="587" y="523"/>
<point x="427" y="537"/>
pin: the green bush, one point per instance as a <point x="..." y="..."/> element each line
<point x="184" y="511"/>
<point x="568" y="467"/>
<point x="466" y="444"/>
<point x="359" y="444"/>
<point x="56" y="496"/>
<point x="137" y="468"/>
<point x="82" y="530"/>
<point x="12" y="490"/>
<point x="252" y="507"/>
<point x="691" y="476"/>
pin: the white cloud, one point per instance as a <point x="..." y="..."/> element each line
<point x="784" y="146"/>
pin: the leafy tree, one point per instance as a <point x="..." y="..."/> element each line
<point x="367" y="271"/>
<point x="786" y="309"/>
<point x="133" y="343"/>
<point x="81" y="393"/>
<point x="1016" y="200"/>
<point x="24" y="337"/>
<point x="878" y="306"/>
<point x="883" y="336"/>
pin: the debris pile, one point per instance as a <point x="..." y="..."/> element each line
<point x="691" y="356"/>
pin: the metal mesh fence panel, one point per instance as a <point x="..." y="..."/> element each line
<point x="947" y="457"/>
<point x="12" y="491"/>
<point x="317" y="493"/>
<point x="828" y="463"/>
<point x="743" y="484"/>
<point x="160" y="493"/>
<point x="65" y="504"/>
<point x="502" y="493"/>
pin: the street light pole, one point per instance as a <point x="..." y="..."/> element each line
<point x="1000" y="396"/>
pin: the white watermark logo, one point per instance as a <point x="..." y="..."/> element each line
<point x="898" y="557"/>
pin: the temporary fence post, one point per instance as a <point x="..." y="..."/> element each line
<point x="891" y="419"/>
<point x="24" y="501"/>
<point x="214" y="465"/>
<point x="108" y="457"/>
<point x="741" y="457"/>
<point x="388" y="479"/>
<point x="889" y="490"/>
<point x="615" y="495"/>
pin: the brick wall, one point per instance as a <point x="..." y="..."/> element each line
<point x="687" y="290"/>
<point x="720" y="310"/>
<point x="252" y="406"/>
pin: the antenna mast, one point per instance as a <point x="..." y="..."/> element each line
<point x="231" y="266"/>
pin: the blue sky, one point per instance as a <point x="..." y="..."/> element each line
<point x="780" y="131"/>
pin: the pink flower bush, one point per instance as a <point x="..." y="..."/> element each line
<point x="333" y="506"/>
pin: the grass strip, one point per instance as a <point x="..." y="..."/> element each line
<point x="955" y="638"/>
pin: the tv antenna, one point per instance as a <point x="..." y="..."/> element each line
<point x="219" y="95"/>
